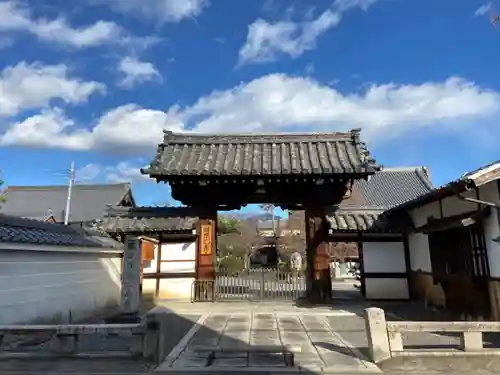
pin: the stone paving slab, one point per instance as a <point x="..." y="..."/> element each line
<point x="316" y="346"/>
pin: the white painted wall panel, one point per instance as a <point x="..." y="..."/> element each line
<point x="178" y="289"/>
<point x="383" y="257"/>
<point x="454" y="206"/>
<point x="420" y="215"/>
<point x="386" y="288"/>
<point x="54" y="285"/>
<point x="178" y="267"/>
<point x="420" y="258"/>
<point x="178" y="251"/>
<point x="489" y="193"/>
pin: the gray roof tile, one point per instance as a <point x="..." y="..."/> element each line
<point x="88" y="202"/>
<point x="360" y="221"/>
<point x="261" y="154"/>
<point x="389" y="188"/>
<point x="363" y="210"/>
<point x="26" y="231"/>
<point x="149" y="219"/>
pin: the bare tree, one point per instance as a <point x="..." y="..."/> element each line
<point x="292" y="243"/>
<point x="241" y="242"/>
<point x="270" y="209"/>
<point x="343" y="250"/>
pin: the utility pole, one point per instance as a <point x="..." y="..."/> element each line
<point x="70" y="187"/>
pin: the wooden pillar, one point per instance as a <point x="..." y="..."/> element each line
<point x="206" y="246"/>
<point x="319" y="285"/>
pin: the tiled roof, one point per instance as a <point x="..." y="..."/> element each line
<point x="470" y="180"/>
<point x="363" y="210"/>
<point x="360" y="221"/>
<point x="26" y="231"/>
<point x="389" y="188"/>
<point x="149" y="219"/>
<point x="88" y="202"/>
<point x="261" y="154"/>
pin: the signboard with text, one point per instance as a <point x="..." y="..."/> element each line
<point x="131" y="275"/>
<point x="206" y="239"/>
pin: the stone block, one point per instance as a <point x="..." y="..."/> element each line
<point x="471" y="341"/>
<point x="376" y="332"/>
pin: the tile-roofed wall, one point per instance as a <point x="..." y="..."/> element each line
<point x="26" y="231"/>
<point x="360" y="221"/>
<point x="364" y="209"/>
<point x="389" y="188"/>
<point x="149" y="219"/>
<point x="261" y="154"/>
<point x="88" y="202"/>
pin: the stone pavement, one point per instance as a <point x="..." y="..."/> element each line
<point x="228" y="342"/>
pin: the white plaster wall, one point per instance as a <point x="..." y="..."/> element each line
<point x="455" y="206"/>
<point x="419" y="244"/>
<point x="383" y="257"/>
<point x="182" y="256"/>
<point x="489" y="193"/>
<point x="54" y="286"/>
<point x="420" y="257"/>
<point x="387" y="288"/>
<point x="178" y="251"/>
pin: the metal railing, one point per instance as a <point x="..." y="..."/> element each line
<point x="260" y="284"/>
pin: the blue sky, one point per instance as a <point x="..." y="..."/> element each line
<point x="96" y="82"/>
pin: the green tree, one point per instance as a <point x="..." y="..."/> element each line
<point x="227" y="226"/>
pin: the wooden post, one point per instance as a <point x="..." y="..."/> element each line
<point x="318" y="260"/>
<point x="205" y="257"/>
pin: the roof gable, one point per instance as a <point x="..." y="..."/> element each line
<point x="88" y="202"/>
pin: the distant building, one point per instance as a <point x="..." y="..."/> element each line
<point x="48" y="203"/>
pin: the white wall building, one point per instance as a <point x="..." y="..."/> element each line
<point x="52" y="273"/>
<point x="454" y="252"/>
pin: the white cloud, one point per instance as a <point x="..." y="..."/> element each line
<point x="88" y="173"/>
<point x="483" y="9"/>
<point x="128" y="128"/>
<point x="15" y="17"/>
<point x="268" y="41"/>
<point x="275" y="102"/>
<point x="135" y="71"/>
<point x="125" y="171"/>
<point x="50" y="128"/>
<point x="344" y="5"/>
<point x="162" y="10"/>
<point x="26" y="86"/>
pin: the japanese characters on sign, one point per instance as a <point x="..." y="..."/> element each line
<point x="131" y="272"/>
<point x="206" y="239"/>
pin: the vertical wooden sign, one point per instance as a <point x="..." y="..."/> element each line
<point x="131" y="275"/>
<point x="206" y="239"/>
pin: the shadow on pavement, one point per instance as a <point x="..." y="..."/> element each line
<point x="204" y="354"/>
